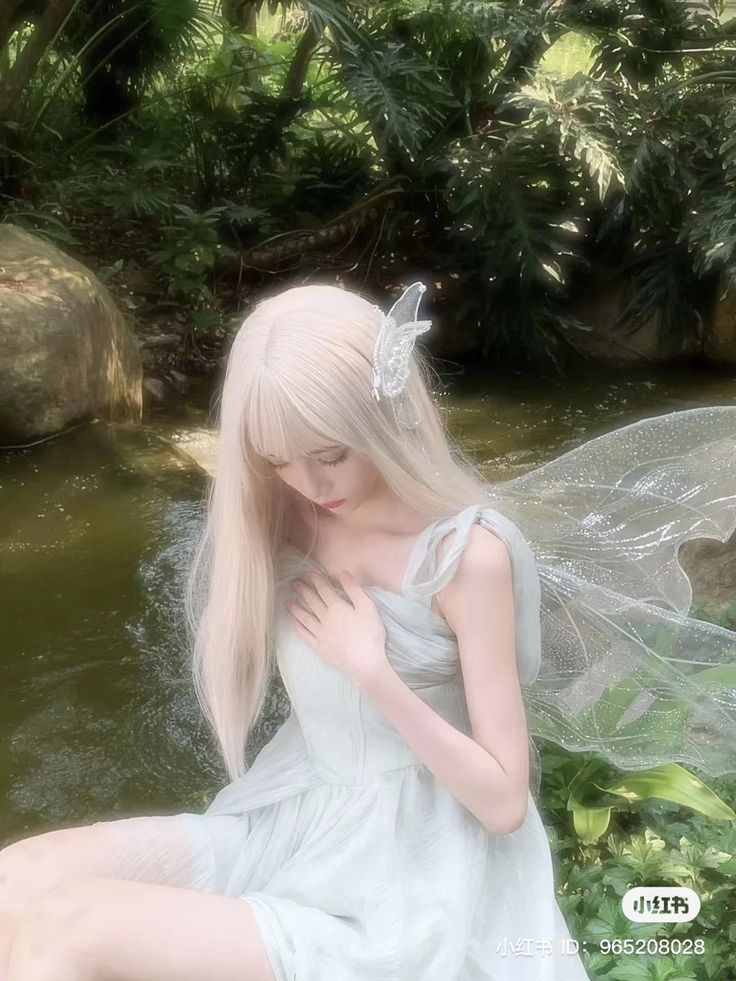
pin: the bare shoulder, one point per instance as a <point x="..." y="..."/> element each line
<point x="483" y="563"/>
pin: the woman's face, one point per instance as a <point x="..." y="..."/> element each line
<point x="331" y="473"/>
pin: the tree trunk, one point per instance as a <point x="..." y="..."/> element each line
<point x="29" y="57"/>
<point x="298" y="68"/>
<point x="242" y="14"/>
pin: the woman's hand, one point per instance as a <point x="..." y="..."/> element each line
<point x="348" y="634"/>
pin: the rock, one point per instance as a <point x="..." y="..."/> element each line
<point x="599" y="303"/>
<point x="160" y="340"/>
<point x="140" y="280"/>
<point x="155" y="387"/>
<point x="179" y="381"/>
<point x="201" y="446"/>
<point x="66" y="352"/>
<point x="719" y="343"/>
<point x="711" y="568"/>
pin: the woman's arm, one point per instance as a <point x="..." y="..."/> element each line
<point x="488" y="773"/>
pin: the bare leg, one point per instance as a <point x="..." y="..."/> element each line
<point x="105" y="930"/>
<point x="174" y="850"/>
<point x="33" y="865"/>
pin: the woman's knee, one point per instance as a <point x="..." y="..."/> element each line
<point x="22" y="868"/>
<point x="36" y="864"/>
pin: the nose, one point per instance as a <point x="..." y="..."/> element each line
<point x="312" y="484"/>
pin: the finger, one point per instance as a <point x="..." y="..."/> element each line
<point x="326" y="588"/>
<point x="303" y="617"/>
<point x="323" y="586"/>
<point x="309" y="593"/>
<point x="303" y="632"/>
<point x="353" y="590"/>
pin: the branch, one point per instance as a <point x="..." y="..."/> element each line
<point x="297" y="73"/>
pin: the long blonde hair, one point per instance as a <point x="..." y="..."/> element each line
<point x="300" y="368"/>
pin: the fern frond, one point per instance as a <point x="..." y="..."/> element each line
<point x="401" y="93"/>
<point x="661" y="287"/>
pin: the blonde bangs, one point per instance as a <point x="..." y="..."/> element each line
<point x="274" y="426"/>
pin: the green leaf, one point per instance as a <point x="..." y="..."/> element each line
<point x="674" y="783"/>
<point x="590" y="822"/>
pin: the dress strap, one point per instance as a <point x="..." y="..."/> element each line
<point x="426" y="574"/>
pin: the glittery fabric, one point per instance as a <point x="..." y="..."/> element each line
<point x="625" y="671"/>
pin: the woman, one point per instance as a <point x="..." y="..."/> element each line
<point x="389" y="828"/>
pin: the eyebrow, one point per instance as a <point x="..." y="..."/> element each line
<point x="321" y="449"/>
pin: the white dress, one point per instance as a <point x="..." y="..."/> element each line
<point x="357" y="862"/>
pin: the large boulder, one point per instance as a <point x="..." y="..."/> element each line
<point x="599" y="303"/>
<point x="66" y="353"/>
<point x="720" y="339"/>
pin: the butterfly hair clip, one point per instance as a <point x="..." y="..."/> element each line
<point x="392" y="353"/>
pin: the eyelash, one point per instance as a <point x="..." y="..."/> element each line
<point x="327" y="463"/>
<point x="334" y="463"/>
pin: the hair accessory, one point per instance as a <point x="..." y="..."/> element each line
<point x="392" y="353"/>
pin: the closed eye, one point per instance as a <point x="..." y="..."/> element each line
<point x="339" y="459"/>
<point x="327" y="463"/>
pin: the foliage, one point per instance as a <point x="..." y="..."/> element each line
<point x="681" y="832"/>
<point x="659" y="843"/>
<point x="160" y="115"/>
<point x="592" y="817"/>
<point x="521" y="180"/>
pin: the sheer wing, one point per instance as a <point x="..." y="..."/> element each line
<point x="624" y="670"/>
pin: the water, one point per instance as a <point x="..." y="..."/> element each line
<point x="97" y="714"/>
